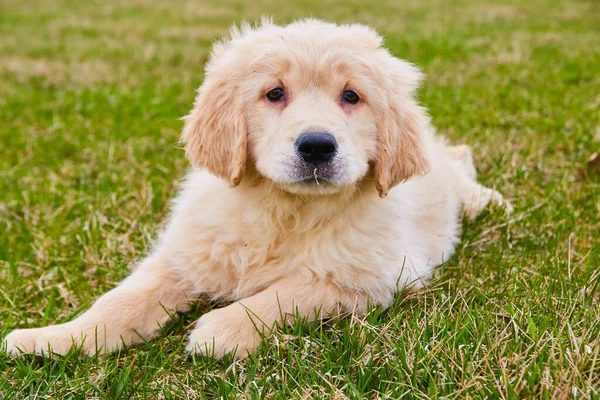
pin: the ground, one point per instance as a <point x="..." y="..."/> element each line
<point x="90" y="99"/>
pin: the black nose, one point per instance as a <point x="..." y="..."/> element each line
<point x="316" y="147"/>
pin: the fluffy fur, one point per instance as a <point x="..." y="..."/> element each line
<point x="257" y="226"/>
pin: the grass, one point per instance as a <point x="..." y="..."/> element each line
<point x="90" y="96"/>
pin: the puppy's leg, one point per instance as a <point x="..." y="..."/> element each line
<point x="463" y="156"/>
<point x="240" y="326"/>
<point x="474" y="197"/>
<point x="128" y="313"/>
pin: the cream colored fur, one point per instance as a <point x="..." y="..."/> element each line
<point x="243" y="229"/>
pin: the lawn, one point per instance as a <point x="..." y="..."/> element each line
<point x="91" y="93"/>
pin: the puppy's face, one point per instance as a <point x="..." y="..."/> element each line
<point x="310" y="128"/>
<point x="312" y="105"/>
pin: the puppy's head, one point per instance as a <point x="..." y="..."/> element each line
<point x="315" y="107"/>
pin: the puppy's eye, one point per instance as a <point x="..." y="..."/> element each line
<point x="350" y="97"/>
<point x="276" y="94"/>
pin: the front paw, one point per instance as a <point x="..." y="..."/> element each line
<point x="224" y="331"/>
<point x="38" y="341"/>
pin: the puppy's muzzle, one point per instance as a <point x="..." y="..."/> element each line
<point x="316" y="147"/>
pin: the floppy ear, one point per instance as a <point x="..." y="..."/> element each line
<point x="215" y="130"/>
<point x="401" y="152"/>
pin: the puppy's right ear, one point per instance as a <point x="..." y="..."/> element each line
<point x="215" y="130"/>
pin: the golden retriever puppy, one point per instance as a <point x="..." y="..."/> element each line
<point x="319" y="188"/>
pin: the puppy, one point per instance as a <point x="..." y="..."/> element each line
<point x="319" y="187"/>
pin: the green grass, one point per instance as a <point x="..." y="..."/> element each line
<point x="90" y="96"/>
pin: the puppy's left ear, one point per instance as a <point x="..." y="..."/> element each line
<point x="403" y="124"/>
<point x="215" y="131"/>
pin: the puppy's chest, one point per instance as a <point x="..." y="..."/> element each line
<point x="323" y="246"/>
